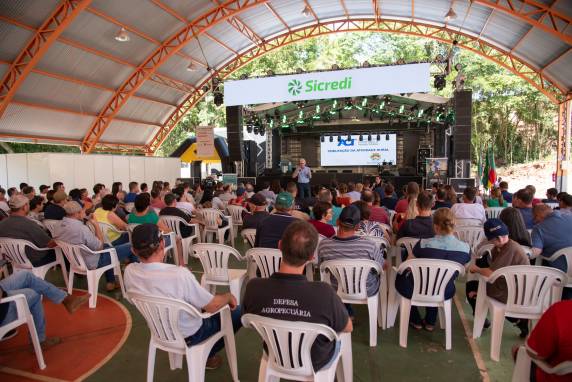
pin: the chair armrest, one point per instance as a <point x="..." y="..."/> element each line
<point x="207" y="315"/>
<point x="31" y="245"/>
<point x="14" y="298"/>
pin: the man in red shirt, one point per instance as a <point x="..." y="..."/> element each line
<point x="378" y="214"/>
<point x="551" y="340"/>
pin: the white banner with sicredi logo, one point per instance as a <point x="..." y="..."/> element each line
<point x="411" y="78"/>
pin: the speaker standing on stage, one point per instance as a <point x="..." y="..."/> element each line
<point x="304" y="175"/>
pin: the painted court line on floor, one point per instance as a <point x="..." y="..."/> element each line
<point x="473" y="345"/>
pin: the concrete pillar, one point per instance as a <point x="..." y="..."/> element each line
<point x="563" y="159"/>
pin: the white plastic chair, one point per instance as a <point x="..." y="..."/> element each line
<point x="51" y="225"/>
<point x="521" y="371"/>
<point x="174" y="223"/>
<point x="351" y="277"/>
<point x="209" y="216"/>
<point x="249" y="236"/>
<point x="567" y="253"/>
<point x="214" y="259"/>
<point x="430" y="279"/>
<point x="493" y="212"/>
<point x="106" y="228"/>
<point x="470" y="235"/>
<point x="162" y="315"/>
<point x="265" y="260"/>
<point x="74" y="254"/>
<point x="289" y="344"/>
<point x="236" y="213"/>
<point x="23" y="317"/>
<point x="14" y="250"/>
<point x="462" y="222"/>
<point x="529" y="291"/>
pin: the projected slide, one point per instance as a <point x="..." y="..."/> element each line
<point x="354" y="152"/>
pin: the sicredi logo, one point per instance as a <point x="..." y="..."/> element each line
<point x="295" y="86"/>
<point x="346" y="142"/>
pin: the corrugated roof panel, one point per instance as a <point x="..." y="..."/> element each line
<point x="143" y="110"/>
<point x="24" y="120"/>
<point x="141" y="15"/>
<point x="12" y="40"/>
<point x="160" y="92"/>
<point x="261" y="21"/>
<point x="505" y="30"/>
<point x="563" y="7"/>
<point x="3" y="69"/>
<point x="62" y="94"/>
<point x="561" y="70"/>
<point x="176" y="67"/>
<point x="540" y="47"/>
<point x="126" y="132"/>
<point x="98" y="33"/>
<point x="432" y="11"/>
<point x="291" y="12"/>
<point x="228" y="35"/>
<point x="396" y="8"/>
<point x="214" y="52"/>
<point x="190" y="9"/>
<point x="327" y="9"/>
<point x="31" y="12"/>
<point x="477" y="19"/>
<point x="73" y="62"/>
<point x="360" y="7"/>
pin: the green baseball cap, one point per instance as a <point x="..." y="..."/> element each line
<point x="284" y="200"/>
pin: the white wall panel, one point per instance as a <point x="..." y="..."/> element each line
<point x="17" y="165"/>
<point x="84" y="173"/>
<point x="62" y="169"/>
<point x="172" y="169"/>
<point x="102" y="171"/>
<point x="152" y="170"/>
<point x="121" y="171"/>
<point x="39" y="170"/>
<point x="137" y="169"/>
<point x="3" y="172"/>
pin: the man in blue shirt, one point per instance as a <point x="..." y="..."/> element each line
<point x="304" y="175"/>
<point x="523" y="203"/>
<point x="504" y="191"/>
<point x="133" y="191"/>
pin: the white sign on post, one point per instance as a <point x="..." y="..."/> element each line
<point x="205" y="141"/>
<point x="331" y="84"/>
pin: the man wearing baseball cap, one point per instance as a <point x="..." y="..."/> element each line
<point x="55" y="209"/>
<point x="270" y="230"/>
<point x="506" y="252"/>
<point x="153" y="277"/>
<point x="258" y="212"/>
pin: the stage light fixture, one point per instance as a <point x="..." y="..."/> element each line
<point x="339" y="138"/>
<point x="366" y="64"/>
<point x="218" y="99"/>
<point x="191" y="67"/>
<point x="331" y="138"/>
<point x="378" y="137"/>
<point x="299" y="71"/>
<point x="401" y="61"/>
<point x="360" y="138"/>
<point x="369" y="137"/>
<point x="270" y="72"/>
<point x="387" y="137"/>
<point x="349" y="137"/>
<point x="249" y="129"/>
<point x="451" y="15"/>
<point x="122" y="35"/>
<point x="306" y="11"/>
<point x="322" y="139"/>
<point x="335" y="67"/>
<point x="243" y="76"/>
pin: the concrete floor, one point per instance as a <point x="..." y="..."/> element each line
<point x="425" y="358"/>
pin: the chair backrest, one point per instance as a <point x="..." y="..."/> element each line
<point x="351" y="276"/>
<point x="382" y="243"/>
<point x="289" y="342"/>
<point x="51" y="225"/>
<point x="249" y="235"/>
<point x="493" y="212"/>
<point x="483" y="250"/>
<point x="214" y="259"/>
<point x="210" y="216"/>
<point x="391" y="216"/>
<point x="236" y="213"/>
<point x="528" y="251"/>
<point x="408" y="243"/>
<point x="528" y="287"/>
<point x="105" y="228"/>
<point x="430" y="277"/>
<point x="130" y="228"/>
<point x="267" y="260"/>
<point x="15" y="251"/>
<point x="74" y="254"/>
<point x="552" y="205"/>
<point x="470" y="235"/>
<point x="162" y="316"/>
<point x="461" y="222"/>
<point x="567" y="253"/>
<point x="174" y="223"/>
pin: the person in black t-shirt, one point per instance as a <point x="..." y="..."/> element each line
<point x="389" y="200"/>
<point x="440" y="200"/>
<point x="287" y="295"/>
<point x="422" y="226"/>
<point x="172" y="210"/>
<point x="257" y="206"/>
<point x="55" y="210"/>
<point x="270" y="229"/>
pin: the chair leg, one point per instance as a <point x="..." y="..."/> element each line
<point x="35" y="339"/>
<point x="196" y="363"/>
<point x="447" y="318"/>
<point x="481" y="310"/>
<point x="442" y="318"/>
<point x="496" y="333"/>
<point x="382" y="318"/>
<point x="346" y="359"/>
<point x="117" y="272"/>
<point x="263" y="370"/>
<point x="62" y="264"/>
<point x="175" y="361"/>
<point x="405" y="311"/>
<point x="151" y="362"/>
<point x="236" y="288"/>
<point x="92" y="287"/>
<point x="229" y="344"/>
<point x="70" y="282"/>
<point x="309" y="272"/>
<point x="392" y="302"/>
<point x="521" y="371"/>
<point x="372" y="308"/>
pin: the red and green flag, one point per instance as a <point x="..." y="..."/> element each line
<point x="489" y="173"/>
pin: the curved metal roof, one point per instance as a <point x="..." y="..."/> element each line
<point x="65" y="78"/>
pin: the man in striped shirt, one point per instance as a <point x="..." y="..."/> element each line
<point x="347" y="245"/>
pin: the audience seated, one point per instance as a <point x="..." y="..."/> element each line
<point x="412" y="191"/>
<point x="249" y="190"/>
<point x="18" y="226"/>
<point x="3" y="201"/>
<point x="256" y="211"/>
<point x="378" y="214"/>
<point x="566" y="203"/>
<point x="469" y="209"/>
<point x="226" y="195"/>
<point x="55" y="209"/>
<point x="181" y="204"/>
<point x="522" y="201"/>
<point x="322" y="215"/>
<point x="504" y="191"/>
<point x="133" y="192"/>
<point x="532" y="191"/>
<point x="172" y="210"/>
<point x="34" y="288"/>
<point x="451" y="194"/>
<point x="240" y="199"/>
<point x="326" y="196"/>
<point x="152" y="276"/>
<point x="156" y="201"/>
<point x="72" y="230"/>
<point x="299" y="207"/>
<point x="99" y="191"/>
<point x="346" y="244"/>
<point x="516" y="228"/>
<point x="496" y="199"/>
<point x="422" y="226"/>
<point x="29" y="192"/>
<point x="444" y="246"/>
<point x="58" y="186"/>
<point x="270" y="229"/>
<point x="388" y="200"/>
<point x="551" y="340"/>
<point x="288" y="295"/>
<point x="441" y="200"/>
<point x="120" y="210"/>
<point x="551" y="196"/>
<point x="36" y="209"/>
<point x="343" y="199"/>
<point x="106" y="214"/>
<point x="353" y="192"/>
<point x="142" y="213"/>
<point x="506" y="252"/>
<point x="366" y="225"/>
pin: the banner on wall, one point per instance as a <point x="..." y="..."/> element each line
<point x="394" y="79"/>
<point x="205" y="141"/>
